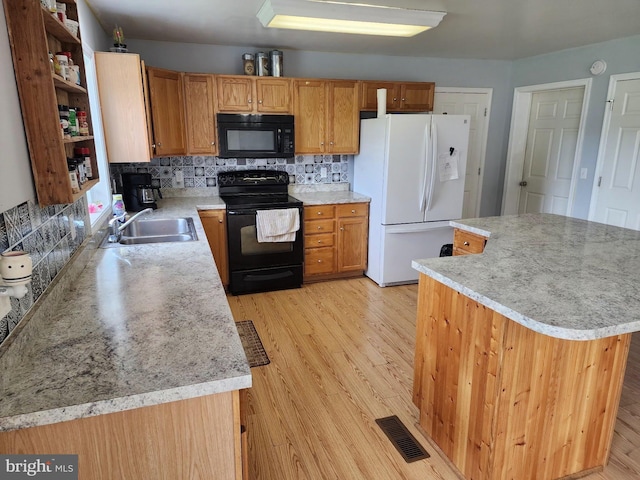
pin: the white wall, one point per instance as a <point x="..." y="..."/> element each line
<point x="16" y="180"/>
<point x="622" y="56"/>
<point x="444" y="72"/>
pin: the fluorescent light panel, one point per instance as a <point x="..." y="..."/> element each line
<point x="328" y="16"/>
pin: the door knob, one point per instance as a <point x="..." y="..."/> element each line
<point x="523" y="183"/>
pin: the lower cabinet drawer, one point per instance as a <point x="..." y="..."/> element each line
<point x="319" y="261"/>
<point x="465" y="243"/>
<point x="319" y="240"/>
<point x="319" y="226"/>
<point x="352" y="210"/>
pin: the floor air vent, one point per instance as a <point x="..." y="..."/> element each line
<point x="402" y="439"/>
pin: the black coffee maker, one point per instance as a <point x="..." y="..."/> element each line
<point x="137" y="192"/>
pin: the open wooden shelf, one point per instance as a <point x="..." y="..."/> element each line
<point x="77" y="139"/>
<point x="33" y="33"/>
<point x="66" y="85"/>
<point x="56" y="28"/>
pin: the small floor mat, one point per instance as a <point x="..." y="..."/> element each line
<point x="401" y="438"/>
<point x="253" y="348"/>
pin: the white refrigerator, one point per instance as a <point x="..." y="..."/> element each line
<point x="413" y="168"/>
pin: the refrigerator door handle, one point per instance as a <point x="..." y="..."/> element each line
<point x="425" y="177"/>
<point x="433" y="157"/>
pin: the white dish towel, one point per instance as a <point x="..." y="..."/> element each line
<point x="277" y="225"/>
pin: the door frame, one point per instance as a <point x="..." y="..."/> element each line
<point x="485" y="133"/>
<point x="518" y="141"/>
<point x="606" y="123"/>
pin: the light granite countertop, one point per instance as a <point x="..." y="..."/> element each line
<point x="130" y="327"/>
<point x="135" y="326"/>
<point x="560" y="276"/>
<point x="322" y="198"/>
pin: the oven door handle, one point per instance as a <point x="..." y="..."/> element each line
<point x="241" y="212"/>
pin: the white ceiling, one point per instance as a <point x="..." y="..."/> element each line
<point x="480" y="29"/>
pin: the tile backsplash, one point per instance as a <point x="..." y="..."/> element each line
<point x="202" y="171"/>
<point x="50" y="235"/>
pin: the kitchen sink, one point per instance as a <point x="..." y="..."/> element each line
<point x="155" y="230"/>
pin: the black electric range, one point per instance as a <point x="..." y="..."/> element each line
<point x="259" y="266"/>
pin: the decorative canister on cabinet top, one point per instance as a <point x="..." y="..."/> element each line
<point x="248" y="64"/>
<point x="276" y="63"/>
<point x="262" y="64"/>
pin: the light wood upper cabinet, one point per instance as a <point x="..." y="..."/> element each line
<point x="246" y="94"/>
<point x="167" y="111"/>
<point x="417" y="97"/>
<point x="310" y="107"/>
<point x="401" y="96"/>
<point x="200" y="116"/>
<point x="343" y="119"/>
<point x="369" y="95"/>
<point x="326" y="116"/>
<point x="122" y="102"/>
<point x="274" y="95"/>
<point x="33" y="32"/>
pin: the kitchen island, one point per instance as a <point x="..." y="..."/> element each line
<point x="132" y="361"/>
<point x="521" y="350"/>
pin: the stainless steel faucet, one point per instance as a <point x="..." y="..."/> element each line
<point x="115" y="230"/>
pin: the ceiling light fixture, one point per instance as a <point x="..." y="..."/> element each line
<point x="341" y="17"/>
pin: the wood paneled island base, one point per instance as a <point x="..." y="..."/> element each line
<point x="505" y="402"/>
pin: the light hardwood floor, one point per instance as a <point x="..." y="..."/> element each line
<point x="341" y="356"/>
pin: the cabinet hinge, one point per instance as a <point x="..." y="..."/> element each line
<point x="485" y="111"/>
<point x="599" y="181"/>
<point x="610" y="102"/>
<point x="478" y="170"/>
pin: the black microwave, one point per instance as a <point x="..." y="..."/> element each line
<point x="255" y="136"/>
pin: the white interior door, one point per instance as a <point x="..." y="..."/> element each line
<point x="476" y="105"/>
<point x="550" y="153"/>
<point x="617" y="191"/>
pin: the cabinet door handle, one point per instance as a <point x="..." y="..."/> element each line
<point x="403" y="99"/>
<point x="159" y="144"/>
<point x="249" y="101"/>
<point x="319" y="241"/>
<point x="319" y="213"/>
<point x="330" y="143"/>
<point x="213" y="143"/>
<point x="319" y="228"/>
<point x="353" y="211"/>
<point x="342" y="229"/>
<point x="319" y="261"/>
<point x="321" y="143"/>
<point x="466" y="244"/>
<point x="260" y="101"/>
<point x="220" y="220"/>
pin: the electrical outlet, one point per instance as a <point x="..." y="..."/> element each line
<point x="323" y="172"/>
<point x="583" y="173"/>
<point x="178" y="179"/>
